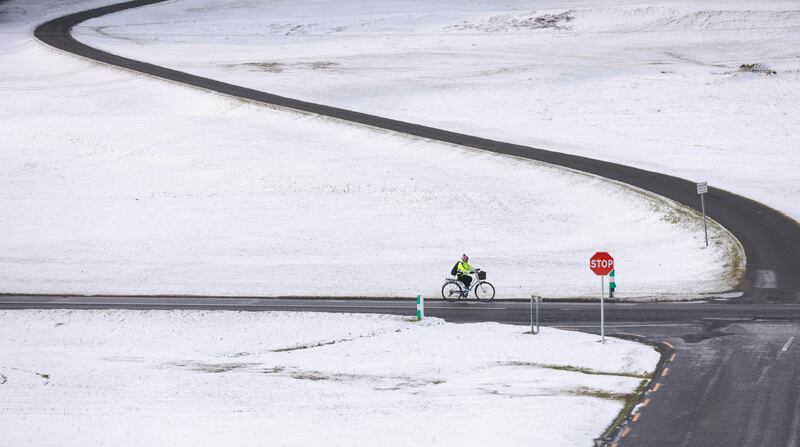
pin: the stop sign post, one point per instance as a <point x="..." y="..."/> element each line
<point x="602" y="264"/>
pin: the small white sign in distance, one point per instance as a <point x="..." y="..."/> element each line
<point x="702" y="187"/>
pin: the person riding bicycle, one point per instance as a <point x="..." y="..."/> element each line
<point x="458" y="286"/>
<point x="464" y="270"/>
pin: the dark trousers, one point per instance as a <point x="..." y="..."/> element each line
<point x="466" y="279"/>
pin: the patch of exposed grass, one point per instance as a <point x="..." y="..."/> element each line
<point x="311" y="375"/>
<point x="324" y="65"/>
<point x="757" y="68"/>
<point x="213" y="368"/>
<point x="316" y="345"/>
<point x="629" y="401"/>
<point x="579" y="369"/>
<point x="680" y="215"/>
<point x="600" y="394"/>
<point x="217" y="368"/>
<point x="327" y="343"/>
<point x="736" y="256"/>
<point x="269" y="67"/>
<point x="687" y="217"/>
<point x="380" y="382"/>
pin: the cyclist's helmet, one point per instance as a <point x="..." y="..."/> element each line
<point x="464" y="257"/>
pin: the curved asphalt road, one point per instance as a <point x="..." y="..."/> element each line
<point x="771" y="240"/>
<point x="728" y="373"/>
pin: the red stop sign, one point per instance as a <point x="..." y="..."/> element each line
<point x="601" y="263"/>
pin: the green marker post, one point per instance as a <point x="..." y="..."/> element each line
<point x="611" y="284"/>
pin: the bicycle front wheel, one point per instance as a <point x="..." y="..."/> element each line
<point x="451" y="291"/>
<point x="484" y="291"/>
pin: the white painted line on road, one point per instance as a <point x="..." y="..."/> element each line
<point x="61" y="300"/>
<point x="766" y="279"/>
<point x="668" y="344"/>
<point x="672" y="358"/>
<point x="571" y="326"/>
<point x="254" y="303"/>
<point x="115" y="303"/>
<point x="629" y="334"/>
<point x="665" y="372"/>
<point x="656" y="387"/>
<point x="143" y="301"/>
<point x="467" y="308"/>
<point x="727" y="319"/>
<point x="124" y="303"/>
<point x="636" y="417"/>
<point x="788" y="343"/>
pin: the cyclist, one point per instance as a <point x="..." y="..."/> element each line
<point x="464" y="270"/>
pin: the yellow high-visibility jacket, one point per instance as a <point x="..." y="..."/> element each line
<point x="464" y="268"/>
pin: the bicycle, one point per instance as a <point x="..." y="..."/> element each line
<point x="454" y="290"/>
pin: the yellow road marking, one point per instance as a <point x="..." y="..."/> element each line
<point x="674" y="354"/>
<point x="655" y="388"/>
<point x="665" y="372"/>
<point x="646" y="402"/>
<point x="625" y="432"/>
<point x="670" y="346"/>
<point x="636" y="417"/>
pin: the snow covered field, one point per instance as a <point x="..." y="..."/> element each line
<point x="114" y="183"/>
<point x="132" y="378"/>
<point x="654" y="84"/>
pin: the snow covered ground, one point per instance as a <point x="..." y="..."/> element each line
<point x="115" y="183"/>
<point x="132" y="378"/>
<point x="654" y="84"/>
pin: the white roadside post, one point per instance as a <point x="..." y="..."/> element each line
<point x="537" y="298"/>
<point x="702" y="189"/>
<point x="420" y="307"/>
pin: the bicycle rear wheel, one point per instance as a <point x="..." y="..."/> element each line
<point x="484" y="291"/>
<point x="451" y="291"/>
